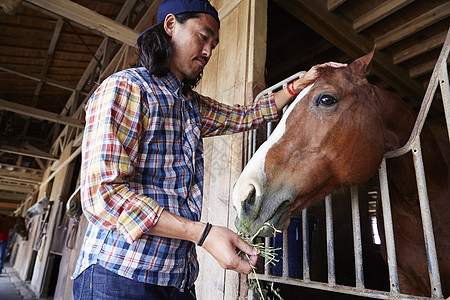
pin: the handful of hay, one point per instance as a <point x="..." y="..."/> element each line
<point x="268" y="253"/>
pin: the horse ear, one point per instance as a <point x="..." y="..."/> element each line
<point x="362" y="64"/>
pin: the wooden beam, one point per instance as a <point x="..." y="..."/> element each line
<point x="429" y="18"/>
<point x="11" y="201"/>
<point x="26" y="152"/>
<point x="9" y="7"/>
<point x="22" y="177"/>
<point x="124" y="12"/>
<point x="341" y="34"/>
<point x="140" y="27"/>
<point x="40" y="163"/>
<point x="228" y="7"/>
<point x="48" y="60"/>
<point x="8" y="205"/>
<point x="16" y="188"/>
<point x="48" y="81"/>
<point x="333" y="4"/>
<point x="12" y="196"/>
<point x="86" y="17"/>
<point x="378" y="13"/>
<point x="419" y="48"/>
<point x="40" y="114"/>
<point x="422" y="68"/>
<point x="21" y="169"/>
<point x="62" y="165"/>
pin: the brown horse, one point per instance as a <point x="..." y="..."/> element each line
<point x="17" y="223"/>
<point x="333" y="135"/>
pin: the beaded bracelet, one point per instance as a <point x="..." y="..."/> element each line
<point x="205" y="234"/>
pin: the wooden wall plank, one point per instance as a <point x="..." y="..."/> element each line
<point x="239" y="58"/>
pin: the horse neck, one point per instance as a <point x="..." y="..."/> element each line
<point x="399" y="120"/>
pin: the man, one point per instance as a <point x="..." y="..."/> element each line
<point x="142" y="164"/>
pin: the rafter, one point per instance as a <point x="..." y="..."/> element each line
<point x="86" y="17"/>
<point x="4" y="205"/>
<point x="16" y="187"/>
<point x="333" y="4"/>
<point x="419" y="48"/>
<point x="408" y="28"/>
<point x="381" y="11"/>
<point x="49" y="81"/>
<point x="12" y="196"/>
<point x="48" y="60"/>
<point x="20" y="169"/>
<point x="40" y="114"/>
<point x="26" y="152"/>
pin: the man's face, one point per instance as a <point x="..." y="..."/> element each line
<point x="192" y="43"/>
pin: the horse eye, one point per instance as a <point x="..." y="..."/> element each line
<point x="326" y="100"/>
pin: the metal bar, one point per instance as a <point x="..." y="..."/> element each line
<point x="279" y="85"/>
<point x="427" y="100"/>
<point x="357" y="237"/>
<point x="254" y="135"/>
<point x="269" y="129"/>
<point x="430" y="245"/>
<point x="285" y="272"/>
<point x="266" y="260"/>
<point x="374" y="294"/>
<point x="267" y="240"/>
<point x="305" y="237"/>
<point x="330" y="241"/>
<point x="249" y="145"/>
<point x="388" y="228"/>
<point x="445" y="91"/>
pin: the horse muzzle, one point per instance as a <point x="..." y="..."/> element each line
<point x="260" y="214"/>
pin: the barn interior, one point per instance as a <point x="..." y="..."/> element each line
<point x="53" y="56"/>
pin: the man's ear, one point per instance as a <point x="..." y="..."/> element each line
<point x="169" y="24"/>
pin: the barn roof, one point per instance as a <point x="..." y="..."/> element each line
<point x="54" y="53"/>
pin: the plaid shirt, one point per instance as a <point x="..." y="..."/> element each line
<point x="143" y="153"/>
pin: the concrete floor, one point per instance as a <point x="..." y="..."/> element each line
<point x="12" y="287"/>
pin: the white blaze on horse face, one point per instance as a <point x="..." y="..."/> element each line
<point x="253" y="174"/>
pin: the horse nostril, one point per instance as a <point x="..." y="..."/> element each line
<point x="249" y="202"/>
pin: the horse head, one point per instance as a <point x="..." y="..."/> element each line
<point x="39" y="207"/>
<point x="330" y="136"/>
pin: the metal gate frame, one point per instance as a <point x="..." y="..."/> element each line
<point x="439" y="76"/>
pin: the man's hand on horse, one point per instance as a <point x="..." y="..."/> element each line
<point x="311" y="76"/>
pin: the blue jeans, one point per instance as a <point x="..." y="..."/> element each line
<point x="97" y="283"/>
<point x="3" y="245"/>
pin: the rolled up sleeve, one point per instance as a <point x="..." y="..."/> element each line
<point x="219" y="118"/>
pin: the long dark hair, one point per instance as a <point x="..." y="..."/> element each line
<point x="154" y="50"/>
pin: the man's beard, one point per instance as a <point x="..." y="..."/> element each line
<point x="192" y="82"/>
